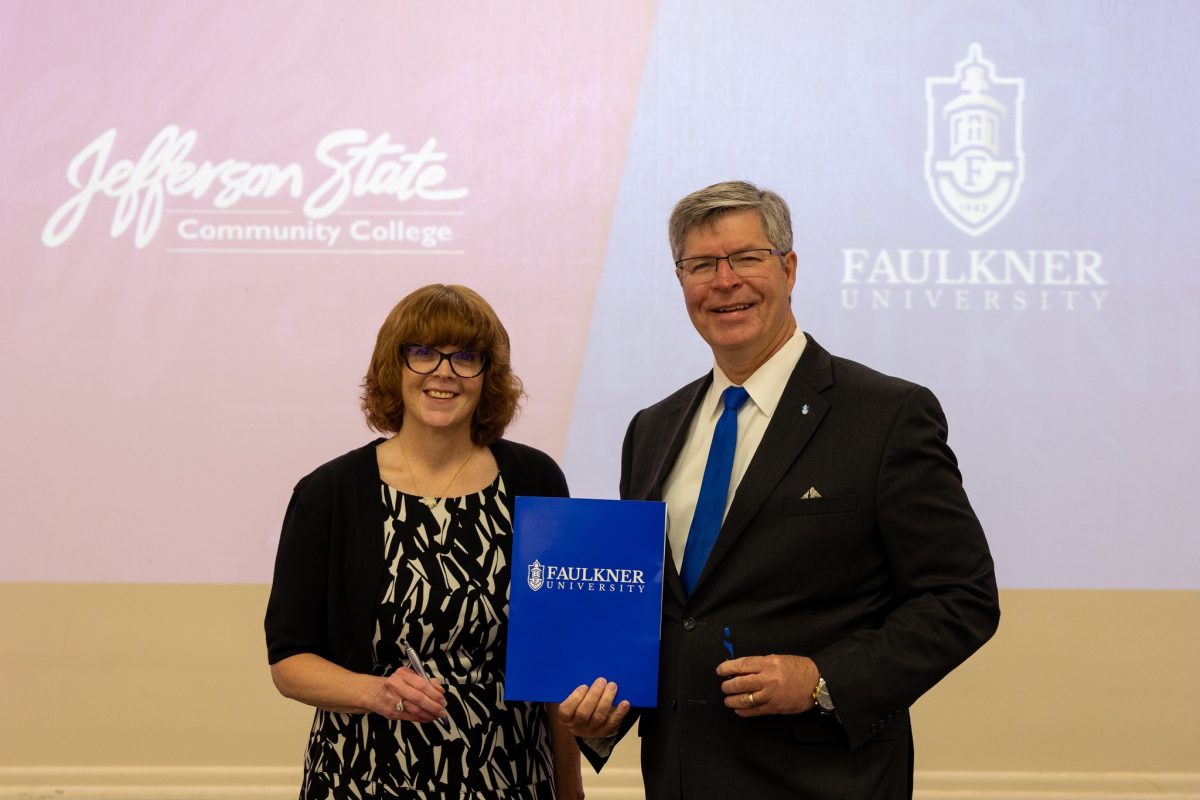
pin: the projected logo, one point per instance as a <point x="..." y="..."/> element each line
<point x="974" y="162"/>
<point x="289" y="210"/>
<point x="974" y="167"/>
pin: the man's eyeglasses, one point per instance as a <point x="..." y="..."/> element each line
<point x="423" y="359"/>
<point x="746" y="263"/>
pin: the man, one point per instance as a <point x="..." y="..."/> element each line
<point x="824" y="567"/>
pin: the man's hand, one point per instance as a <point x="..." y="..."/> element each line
<point x="758" y="685"/>
<point x="588" y="712"/>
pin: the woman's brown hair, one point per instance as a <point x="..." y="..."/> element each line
<point x="439" y="315"/>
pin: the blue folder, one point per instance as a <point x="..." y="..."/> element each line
<point x="586" y="597"/>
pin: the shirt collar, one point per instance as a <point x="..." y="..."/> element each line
<point x="765" y="386"/>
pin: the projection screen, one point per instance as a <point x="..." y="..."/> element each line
<point x="208" y="210"/>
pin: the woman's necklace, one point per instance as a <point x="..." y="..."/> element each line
<point x="430" y="502"/>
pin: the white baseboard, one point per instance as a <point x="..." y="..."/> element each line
<point x="149" y="783"/>
<point x="218" y="783"/>
<point x="282" y="783"/>
<point x="1056" y="786"/>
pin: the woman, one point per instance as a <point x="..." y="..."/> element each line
<point x="407" y="542"/>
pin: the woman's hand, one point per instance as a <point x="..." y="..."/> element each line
<point x="319" y="682"/>
<point x="405" y="695"/>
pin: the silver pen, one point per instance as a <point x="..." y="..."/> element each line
<point x="414" y="663"/>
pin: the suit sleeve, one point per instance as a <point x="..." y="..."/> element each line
<point x="945" y="602"/>
<point x="597" y="753"/>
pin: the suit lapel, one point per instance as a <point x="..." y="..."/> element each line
<point x="797" y="417"/>
<point x="675" y="433"/>
<point x="667" y="447"/>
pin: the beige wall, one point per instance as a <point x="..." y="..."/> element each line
<point x="95" y="676"/>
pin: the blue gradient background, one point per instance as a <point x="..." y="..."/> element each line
<point x="1076" y="430"/>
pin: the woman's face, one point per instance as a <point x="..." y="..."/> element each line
<point x="441" y="400"/>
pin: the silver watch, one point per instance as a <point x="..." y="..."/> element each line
<point x="821" y="697"/>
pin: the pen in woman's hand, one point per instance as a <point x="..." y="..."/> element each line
<point x="414" y="663"/>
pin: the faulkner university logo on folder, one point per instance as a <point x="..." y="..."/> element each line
<point x="536" y="575"/>
<point x="585" y="579"/>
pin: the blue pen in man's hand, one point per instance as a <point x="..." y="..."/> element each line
<point x="414" y="663"/>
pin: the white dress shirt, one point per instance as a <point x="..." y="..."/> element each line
<point x="765" y="387"/>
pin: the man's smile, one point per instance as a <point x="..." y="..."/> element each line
<point x="726" y="309"/>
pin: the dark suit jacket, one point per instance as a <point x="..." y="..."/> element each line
<point x="886" y="582"/>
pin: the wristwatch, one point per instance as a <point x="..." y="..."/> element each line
<point x="821" y="697"/>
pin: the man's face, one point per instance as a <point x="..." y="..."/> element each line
<point x="744" y="319"/>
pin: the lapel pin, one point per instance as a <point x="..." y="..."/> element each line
<point x="804" y="408"/>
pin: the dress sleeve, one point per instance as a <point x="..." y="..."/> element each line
<point x="528" y="471"/>
<point x="297" y="615"/>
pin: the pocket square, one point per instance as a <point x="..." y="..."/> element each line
<point x="811" y="494"/>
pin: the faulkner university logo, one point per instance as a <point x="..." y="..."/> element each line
<point x="536" y="575"/>
<point x="974" y="161"/>
<point x="974" y="168"/>
<point x="555" y="577"/>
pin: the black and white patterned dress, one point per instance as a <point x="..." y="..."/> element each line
<point x="444" y="590"/>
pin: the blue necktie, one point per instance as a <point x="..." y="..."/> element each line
<point x="714" y="489"/>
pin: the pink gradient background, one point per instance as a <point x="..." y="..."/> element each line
<point x="159" y="405"/>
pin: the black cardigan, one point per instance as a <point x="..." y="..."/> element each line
<point x="329" y="563"/>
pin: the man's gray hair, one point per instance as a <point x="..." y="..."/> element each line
<point x="704" y="206"/>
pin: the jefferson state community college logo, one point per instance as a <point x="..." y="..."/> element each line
<point x="536" y="575"/>
<point x="974" y="162"/>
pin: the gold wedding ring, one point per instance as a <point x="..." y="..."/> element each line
<point x="750" y="699"/>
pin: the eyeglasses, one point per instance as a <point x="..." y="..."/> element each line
<point x="423" y="359"/>
<point x="745" y="263"/>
